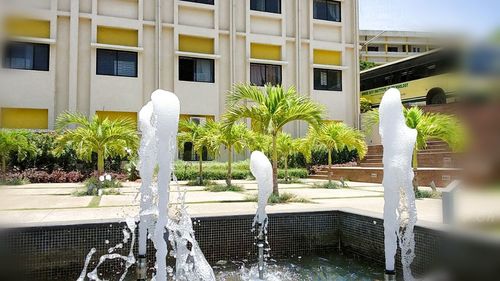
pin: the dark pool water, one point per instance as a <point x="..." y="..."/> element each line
<point x="315" y="268"/>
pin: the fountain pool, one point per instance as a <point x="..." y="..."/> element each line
<point x="318" y="267"/>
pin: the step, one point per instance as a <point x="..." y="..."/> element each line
<point x="440" y="176"/>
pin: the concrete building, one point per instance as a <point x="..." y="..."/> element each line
<point x="380" y="46"/>
<point x="105" y="57"/>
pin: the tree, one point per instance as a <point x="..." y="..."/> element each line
<point x="102" y="136"/>
<point x="337" y="136"/>
<point x="14" y="141"/>
<point x="286" y="146"/>
<point x="364" y="65"/>
<point x="429" y="126"/>
<point x="270" y="110"/>
<point x="232" y="138"/>
<point x="195" y="133"/>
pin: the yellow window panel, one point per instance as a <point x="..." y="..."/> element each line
<point x="24" y="118"/>
<point x="115" y="115"/>
<point x="265" y="52"/>
<point x="195" y="44"/>
<point x="327" y="57"/>
<point x="23" y="27"/>
<point x="117" y="36"/>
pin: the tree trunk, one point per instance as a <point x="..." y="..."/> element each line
<point x="4" y="167"/>
<point x="100" y="162"/>
<point x="415" y="170"/>
<point x="200" y="161"/>
<point x="275" y="168"/>
<point x="287" y="178"/>
<point x="229" y="162"/>
<point x="329" y="166"/>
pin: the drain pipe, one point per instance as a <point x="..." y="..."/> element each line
<point x="261" y="242"/>
<point x="390" y="275"/>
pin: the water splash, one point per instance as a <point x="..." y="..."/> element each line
<point x="128" y="260"/>
<point x="159" y="123"/>
<point x="400" y="213"/>
<point x="262" y="170"/>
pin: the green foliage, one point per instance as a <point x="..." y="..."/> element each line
<point x="94" y="184"/>
<point x="14" y="181"/>
<point x="104" y="137"/>
<point x="224" y="187"/>
<point x="204" y="182"/>
<point x="14" y="141"/>
<point x="428" y="125"/>
<point x="270" y="110"/>
<point x="282" y="198"/>
<point x="338" y="136"/>
<point x="131" y="169"/>
<point x="329" y="185"/>
<point x="218" y="171"/>
<point x="364" y="65"/>
<point x="290" y="181"/>
<point x="421" y="194"/>
<point x="365" y="105"/>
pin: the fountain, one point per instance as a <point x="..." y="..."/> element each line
<point x="158" y="122"/>
<point x="400" y="214"/>
<point x="262" y="171"/>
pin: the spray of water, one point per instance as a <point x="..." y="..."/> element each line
<point x="158" y="122"/>
<point x="263" y="172"/>
<point x="400" y="213"/>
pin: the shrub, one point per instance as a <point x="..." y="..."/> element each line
<point x="218" y="171"/>
<point x="320" y="157"/>
<point x="224" y="187"/>
<point x="95" y="184"/>
<point x="284" y="197"/>
<point x="329" y="185"/>
<point x="421" y="194"/>
<point x="45" y="159"/>
<point x="14" y="181"/>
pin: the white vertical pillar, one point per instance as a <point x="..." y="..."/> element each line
<point x="73" y="56"/>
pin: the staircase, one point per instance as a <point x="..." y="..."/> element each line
<point x="436" y="164"/>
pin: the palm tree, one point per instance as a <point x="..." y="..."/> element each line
<point x="338" y="136"/>
<point x="286" y="146"/>
<point x="428" y="126"/>
<point x="232" y="138"/>
<point x="105" y="137"/>
<point x="270" y="110"/>
<point x="195" y="133"/>
<point x="14" y="141"/>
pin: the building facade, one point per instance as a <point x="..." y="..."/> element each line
<point x="106" y="57"/>
<point x="381" y="46"/>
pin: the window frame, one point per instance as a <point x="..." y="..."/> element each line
<point x="266" y="8"/>
<point x="318" y="70"/>
<point x="7" y="57"/>
<point x="211" y="2"/>
<point x="115" y="73"/>
<point x="328" y="2"/>
<point x="266" y="65"/>
<point x="194" y="59"/>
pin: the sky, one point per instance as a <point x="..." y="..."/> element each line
<point x="474" y="17"/>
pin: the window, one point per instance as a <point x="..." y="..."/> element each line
<point x="210" y="2"/>
<point x="392" y="49"/>
<point x="372" y="49"/>
<point x="416" y="49"/>
<point x="270" y="6"/>
<point x="326" y="10"/>
<point x="327" y="79"/>
<point x="262" y="74"/>
<point x="196" y="70"/>
<point x="29" y="56"/>
<point x="116" y="63"/>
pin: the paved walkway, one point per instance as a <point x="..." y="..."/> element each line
<point x="51" y="203"/>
